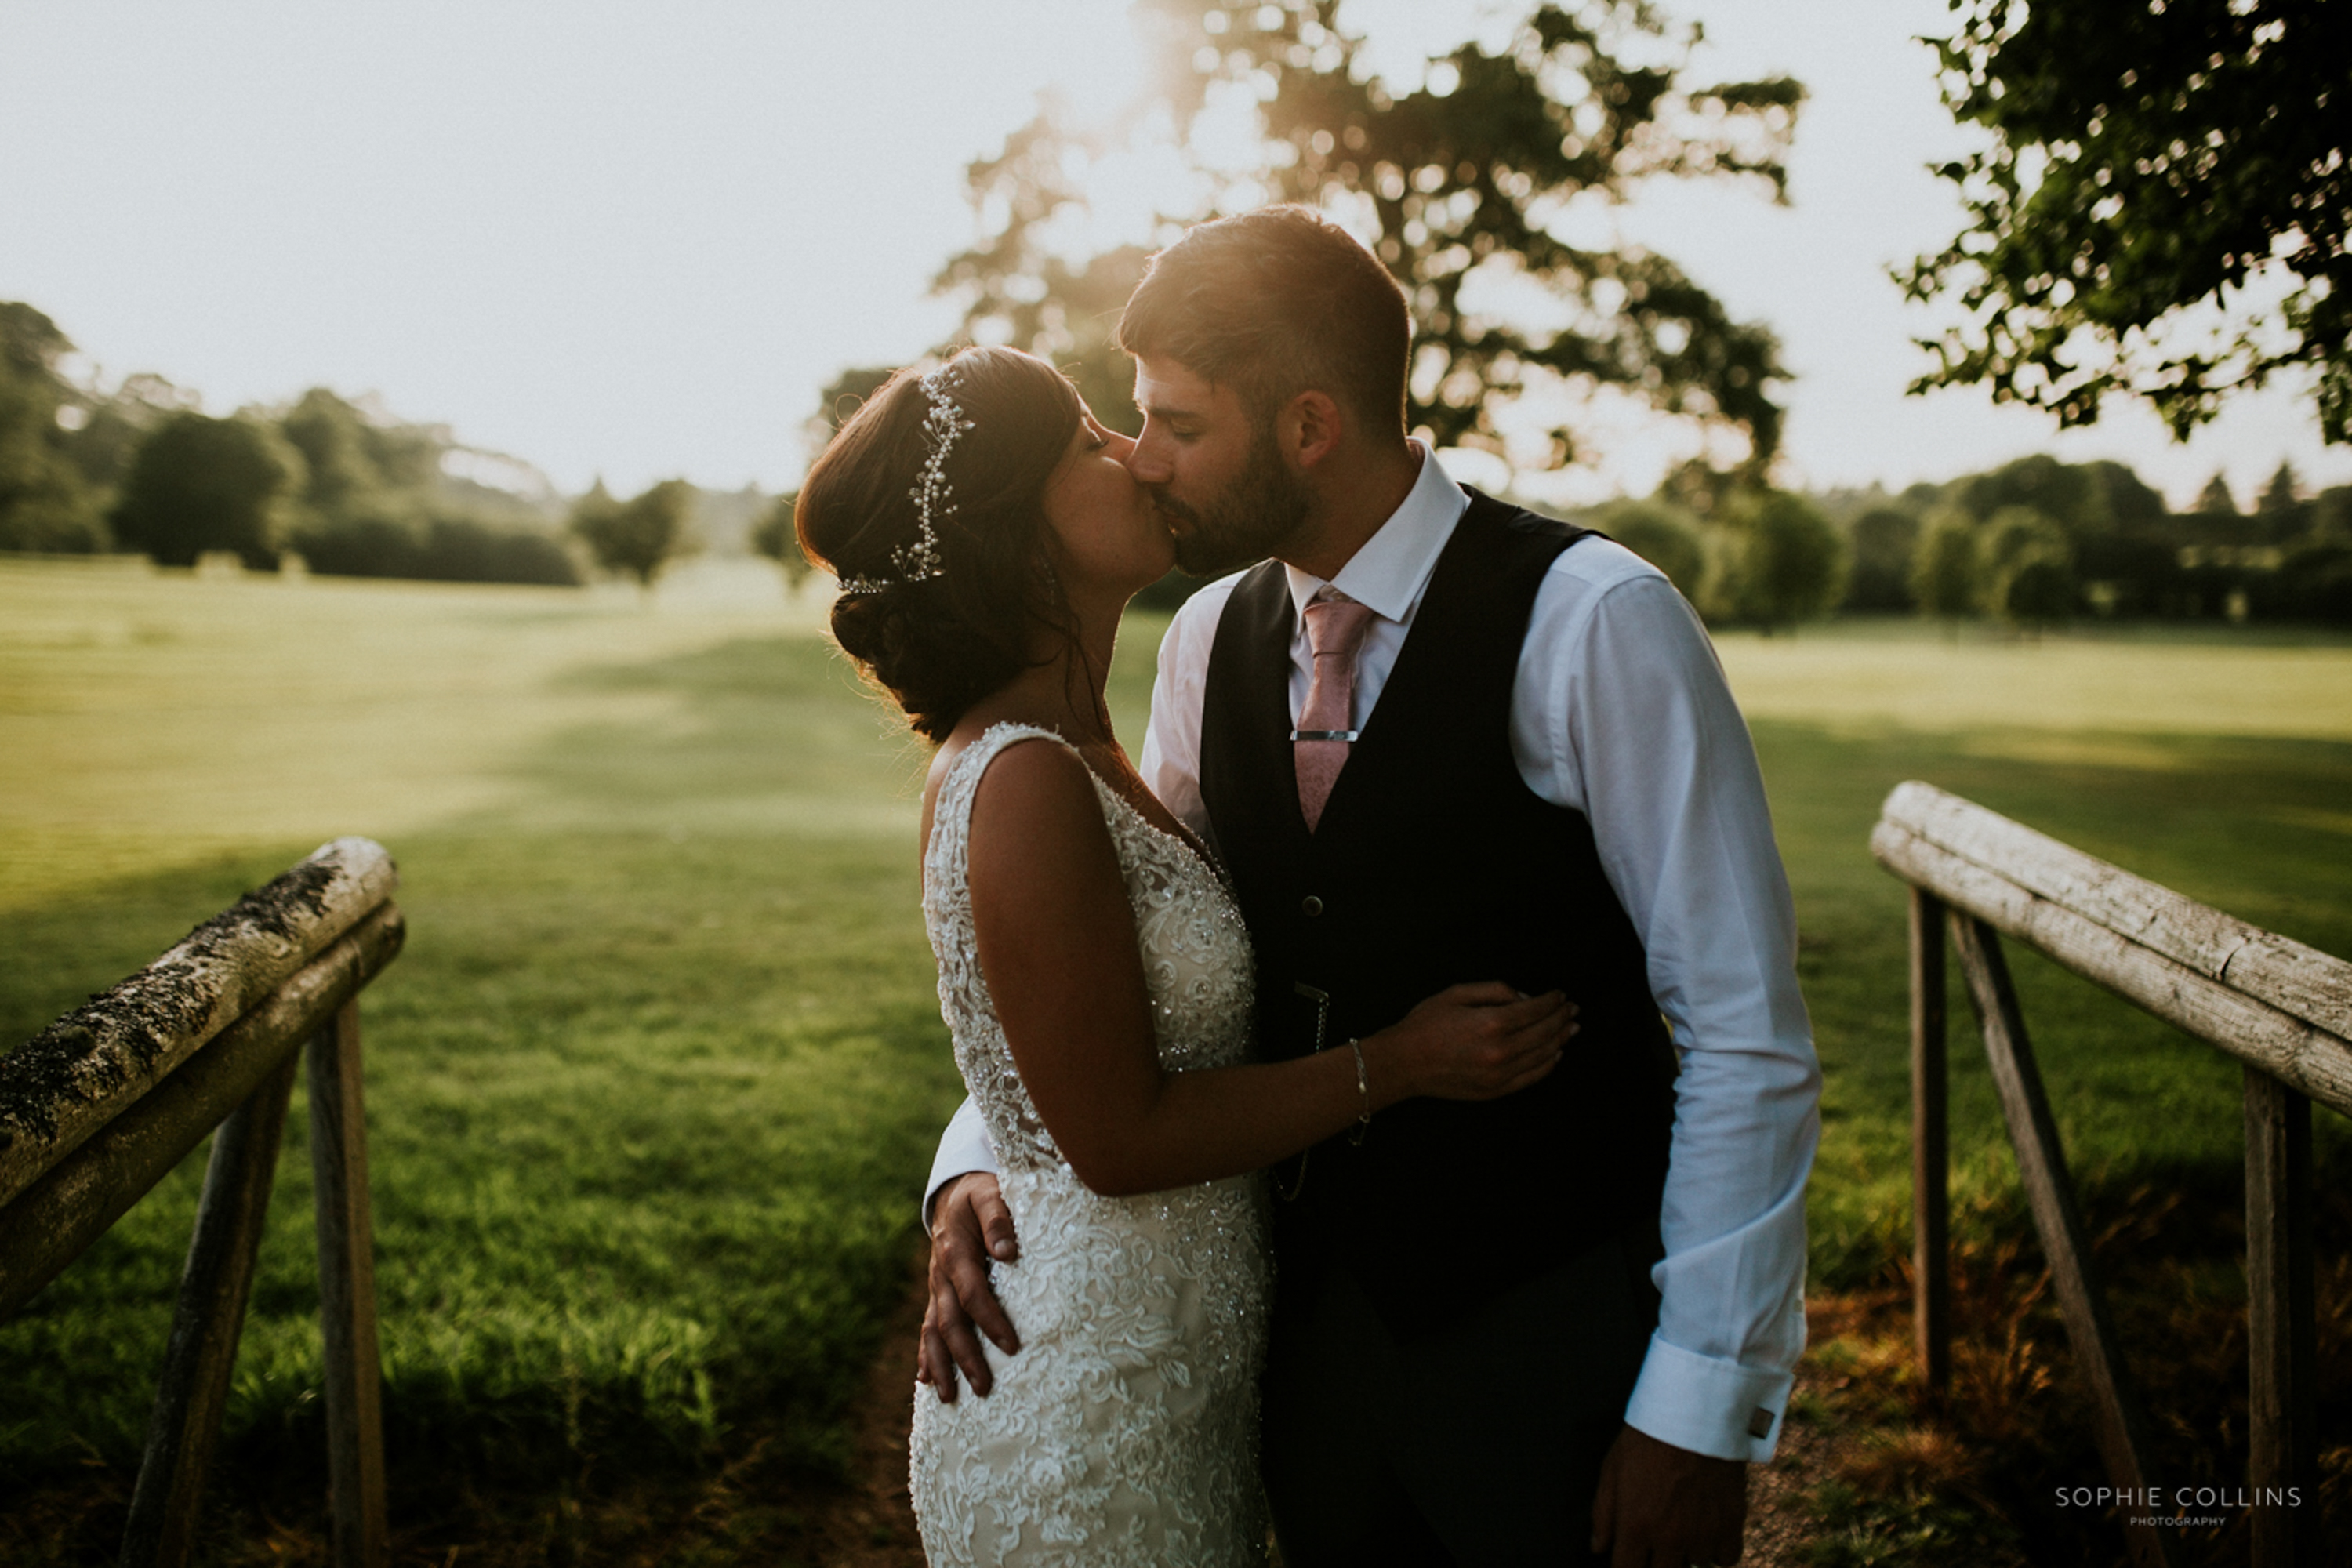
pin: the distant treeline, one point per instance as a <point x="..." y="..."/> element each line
<point x="2034" y="542"/>
<point x="356" y="493"/>
<point x="351" y="490"/>
<point x="344" y="486"/>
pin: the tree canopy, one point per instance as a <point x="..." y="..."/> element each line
<point x="199" y="484"/>
<point x="1791" y="565"/>
<point x="638" y="537"/>
<point x="1943" y="564"/>
<point x="45" y="502"/>
<point x="1473" y="185"/>
<point x="2163" y="207"/>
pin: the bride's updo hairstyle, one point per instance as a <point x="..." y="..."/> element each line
<point x="940" y="623"/>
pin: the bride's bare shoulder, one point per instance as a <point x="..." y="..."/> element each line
<point x="1031" y="782"/>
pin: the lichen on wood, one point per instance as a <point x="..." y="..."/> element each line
<point x="2264" y="999"/>
<point x="46" y="1226"/>
<point x="74" y="1076"/>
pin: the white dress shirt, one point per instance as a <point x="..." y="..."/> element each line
<point x="1620" y="711"/>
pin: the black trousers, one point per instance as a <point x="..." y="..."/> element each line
<point x="1478" y="1444"/>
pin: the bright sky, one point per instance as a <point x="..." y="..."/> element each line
<point x="636" y="240"/>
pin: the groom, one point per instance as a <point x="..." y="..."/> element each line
<point x="1436" y="738"/>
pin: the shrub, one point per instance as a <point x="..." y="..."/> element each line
<point x="199" y="484"/>
<point x="2026" y="567"/>
<point x="1664" y="535"/>
<point x="2313" y="584"/>
<point x="774" y="538"/>
<point x="1883" y="540"/>
<point x="55" y="520"/>
<point x="382" y="542"/>
<point x="636" y="538"/>
<point x="1943" y="570"/>
<point x="1791" y="562"/>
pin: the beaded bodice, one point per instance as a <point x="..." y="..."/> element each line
<point x="1196" y="952"/>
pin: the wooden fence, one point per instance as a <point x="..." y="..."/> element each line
<point x="2284" y="1009"/>
<point x="95" y="1110"/>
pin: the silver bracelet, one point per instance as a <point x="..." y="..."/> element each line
<point x="1363" y="1092"/>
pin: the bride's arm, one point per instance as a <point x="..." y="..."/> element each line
<point x="1057" y="948"/>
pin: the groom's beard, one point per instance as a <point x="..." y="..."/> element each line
<point x="1250" y="519"/>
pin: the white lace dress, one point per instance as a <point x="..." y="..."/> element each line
<point x="1125" y="1431"/>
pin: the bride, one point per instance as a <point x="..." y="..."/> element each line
<point x="1095" y="978"/>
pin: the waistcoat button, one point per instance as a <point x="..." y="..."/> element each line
<point x="1310" y="905"/>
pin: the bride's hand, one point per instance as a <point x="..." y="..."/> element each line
<point x="1478" y="1041"/>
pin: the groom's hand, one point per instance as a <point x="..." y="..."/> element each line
<point x="970" y="1225"/>
<point x="1664" y="1507"/>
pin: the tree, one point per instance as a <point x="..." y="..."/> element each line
<point x="1460" y="181"/>
<point x="840" y="399"/>
<point x="2036" y="591"/>
<point x="1882" y="540"/>
<point x="199" y="484"/>
<point x="117" y="425"/>
<point x="2286" y="514"/>
<point x="2025" y="567"/>
<point x="2215" y="500"/>
<point x="45" y="502"/>
<point x="775" y="539"/>
<point x="376" y="502"/>
<point x="2283" y="494"/>
<point x="1664" y="535"/>
<point x="1944" y="566"/>
<point x="2040" y="481"/>
<point x="638" y="537"/>
<point x="2149" y="161"/>
<point x="334" y="441"/>
<point x="1791" y="560"/>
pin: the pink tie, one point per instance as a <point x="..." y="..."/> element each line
<point x="1335" y="630"/>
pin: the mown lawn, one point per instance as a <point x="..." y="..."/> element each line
<point x="653" y="1086"/>
<point x="649" y="1086"/>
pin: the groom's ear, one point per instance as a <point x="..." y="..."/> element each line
<point x="1308" y="429"/>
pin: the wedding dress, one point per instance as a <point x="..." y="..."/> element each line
<point x="1124" y="1430"/>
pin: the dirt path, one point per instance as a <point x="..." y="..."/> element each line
<point x="1780" y="1526"/>
<point x="872" y="1525"/>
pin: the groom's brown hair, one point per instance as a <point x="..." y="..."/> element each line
<point x="1273" y="303"/>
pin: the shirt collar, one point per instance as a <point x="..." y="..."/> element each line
<point x="1392" y="567"/>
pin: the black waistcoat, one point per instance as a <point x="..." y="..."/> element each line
<point x="1435" y="864"/>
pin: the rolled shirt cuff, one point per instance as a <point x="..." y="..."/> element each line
<point x="963" y="1148"/>
<point x="1715" y="1407"/>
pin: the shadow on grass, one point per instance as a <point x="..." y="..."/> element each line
<point x="651" y="1092"/>
<point x="654" y="1085"/>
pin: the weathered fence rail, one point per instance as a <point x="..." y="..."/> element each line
<point x="96" y="1108"/>
<point x="2284" y="1009"/>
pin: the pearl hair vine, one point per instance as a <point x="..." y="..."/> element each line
<point x="943" y="422"/>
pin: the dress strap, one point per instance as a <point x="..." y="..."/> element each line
<point x="951" y="813"/>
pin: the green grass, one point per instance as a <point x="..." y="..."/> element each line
<point x="649" y="1091"/>
<point x="2240" y="823"/>
<point x="644" y="1102"/>
<point x="652" y="1088"/>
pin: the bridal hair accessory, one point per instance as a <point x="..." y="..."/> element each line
<point x="919" y="561"/>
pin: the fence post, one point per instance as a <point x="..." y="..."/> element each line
<point x="1931" y="1279"/>
<point x="2281" y="1333"/>
<point x="2042" y="1170"/>
<point x="202" y="1351"/>
<point x="2283" y="1009"/>
<point x="347" y="1294"/>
